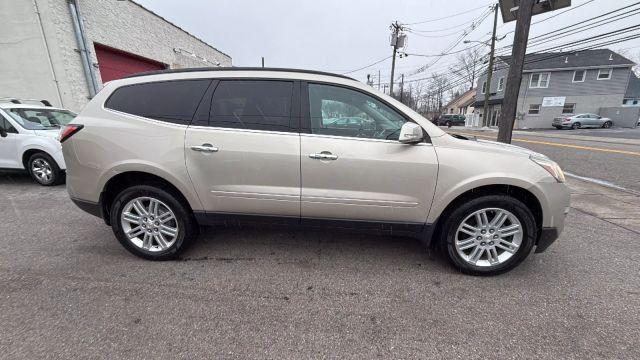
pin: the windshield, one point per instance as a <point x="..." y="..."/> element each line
<point x="41" y="119"/>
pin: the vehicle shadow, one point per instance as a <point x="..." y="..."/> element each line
<point x="312" y="248"/>
<point x="20" y="177"/>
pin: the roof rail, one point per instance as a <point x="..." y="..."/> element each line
<point x="20" y="101"/>
<point x="186" y="70"/>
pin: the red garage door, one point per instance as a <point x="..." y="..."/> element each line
<point x="116" y="64"/>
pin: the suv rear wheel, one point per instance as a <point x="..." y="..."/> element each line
<point x="489" y="235"/>
<point x="44" y="170"/>
<point x="152" y="223"/>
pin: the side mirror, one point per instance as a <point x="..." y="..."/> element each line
<point x="3" y="132"/>
<point x="411" y="133"/>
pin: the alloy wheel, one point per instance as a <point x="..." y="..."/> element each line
<point x="488" y="237"/>
<point x="149" y="224"/>
<point x="42" y="170"/>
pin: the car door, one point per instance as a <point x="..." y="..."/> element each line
<point x="362" y="174"/>
<point x="243" y="148"/>
<point x="9" y="145"/>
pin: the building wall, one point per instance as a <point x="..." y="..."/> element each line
<point x="502" y="70"/>
<point x="584" y="104"/>
<point x="123" y="25"/>
<point x="589" y="96"/>
<point x="25" y="71"/>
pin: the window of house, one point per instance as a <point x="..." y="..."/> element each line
<point x="171" y="101"/>
<point x="252" y="104"/>
<point x="340" y="111"/>
<point x="604" y="74"/>
<point x="534" y="109"/>
<point x="539" y="80"/>
<point x="579" y="75"/>
<point x="568" y="108"/>
<point x="484" y="87"/>
<point x="501" y="84"/>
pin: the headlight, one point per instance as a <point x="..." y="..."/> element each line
<point x="550" y="166"/>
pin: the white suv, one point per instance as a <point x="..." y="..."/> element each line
<point x="29" y="139"/>
<point x="159" y="154"/>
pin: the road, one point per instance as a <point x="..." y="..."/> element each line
<point x="69" y="290"/>
<point x="610" y="155"/>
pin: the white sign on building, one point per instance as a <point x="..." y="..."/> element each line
<point x="553" y="101"/>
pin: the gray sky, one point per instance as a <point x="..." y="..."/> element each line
<point x="343" y="35"/>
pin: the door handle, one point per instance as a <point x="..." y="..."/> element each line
<point x="207" y="148"/>
<point x="325" y="155"/>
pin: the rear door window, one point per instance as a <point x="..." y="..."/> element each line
<point x="170" y="101"/>
<point x="253" y="104"/>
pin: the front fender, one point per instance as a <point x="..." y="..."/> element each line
<point x="445" y="195"/>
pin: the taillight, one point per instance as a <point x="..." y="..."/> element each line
<point x="68" y="131"/>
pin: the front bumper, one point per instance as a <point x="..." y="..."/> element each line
<point x="555" y="202"/>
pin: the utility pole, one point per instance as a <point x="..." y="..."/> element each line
<point x="487" y="90"/>
<point x="378" y="79"/>
<point x="512" y="90"/>
<point x="397" y="41"/>
<point x="263" y="61"/>
<point x="402" y="87"/>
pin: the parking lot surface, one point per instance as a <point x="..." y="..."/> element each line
<point x="69" y="290"/>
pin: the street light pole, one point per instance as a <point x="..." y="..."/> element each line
<point x="487" y="90"/>
<point x="512" y="90"/>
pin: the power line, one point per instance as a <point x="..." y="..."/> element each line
<point x="552" y="35"/>
<point x="475" y="24"/>
<point x="447" y="17"/>
<point x="368" y="66"/>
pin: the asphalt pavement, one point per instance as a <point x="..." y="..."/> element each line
<point x="69" y="290"/>
<point x="590" y="153"/>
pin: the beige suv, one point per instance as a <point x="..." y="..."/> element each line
<point x="159" y="154"/>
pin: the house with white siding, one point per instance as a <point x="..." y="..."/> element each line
<point x="559" y="84"/>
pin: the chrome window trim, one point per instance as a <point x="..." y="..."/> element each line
<point x="271" y="132"/>
<point x="338" y="137"/>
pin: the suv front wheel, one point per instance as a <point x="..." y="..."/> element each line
<point x="152" y="223"/>
<point x="489" y="235"/>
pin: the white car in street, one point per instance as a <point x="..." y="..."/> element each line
<point x="29" y="139"/>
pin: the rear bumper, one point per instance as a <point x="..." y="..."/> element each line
<point x="90" y="207"/>
<point x="547" y="237"/>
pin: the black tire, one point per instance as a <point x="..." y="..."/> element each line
<point x="607" y="124"/>
<point x="558" y="127"/>
<point x="186" y="223"/>
<point x="576" y="126"/>
<point x="448" y="123"/>
<point x="56" y="175"/>
<point x="516" y="207"/>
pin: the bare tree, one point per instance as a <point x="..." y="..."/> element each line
<point x="439" y="84"/>
<point x="468" y="66"/>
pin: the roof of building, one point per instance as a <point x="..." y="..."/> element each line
<point x="633" y="89"/>
<point x="179" y="28"/>
<point x="572" y="59"/>
<point x="463" y="95"/>
<point x="223" y="68"/>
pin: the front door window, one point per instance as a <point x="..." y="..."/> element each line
<point x="344" y="112"/>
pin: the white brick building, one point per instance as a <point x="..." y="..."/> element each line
<point x="41" y="44"/>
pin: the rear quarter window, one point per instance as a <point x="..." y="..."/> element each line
<point x="171" y="101"/>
